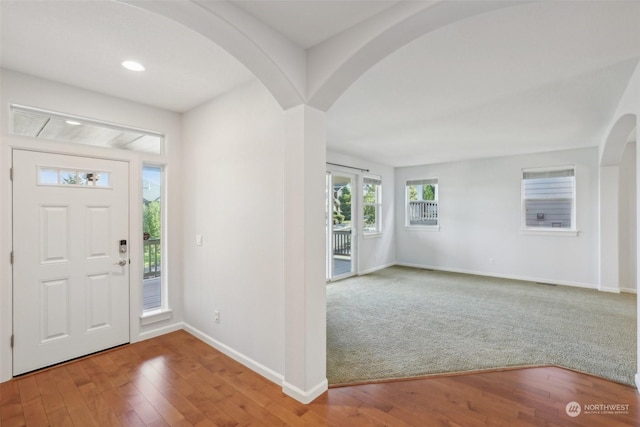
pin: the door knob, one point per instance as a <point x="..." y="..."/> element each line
<point x="121" y="263"/>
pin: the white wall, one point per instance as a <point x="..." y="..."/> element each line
<point x="26" y="90"/>
<point x="480" y="219"/>
<point x="233" y="197"/>
<point x="628" y="220"/>
<point x="375" y="251"/>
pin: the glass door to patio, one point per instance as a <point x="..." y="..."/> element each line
<point x="340" y="225"/>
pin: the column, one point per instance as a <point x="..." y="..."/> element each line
<point x="609" y="228"/>
<point x="304" y="254"/>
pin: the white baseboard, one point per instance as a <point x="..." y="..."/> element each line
<point x="302" y="396"/>
<point x="610" y="290"/>
<point x="371" y="270"/>
<point x="268" y="373"/>
<point x="637" y="380"/>
<point x="629" y="290"/>
<point x="500" y="276"/>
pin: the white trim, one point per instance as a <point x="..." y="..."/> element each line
<point x="154" y="316"/>
<point x="374" y="269"/>
<point x="550" y="168"/>
<point x="549" y="232"/>
<point x="305" y="396"/>
<point x="154" y="333"/>
<point x="268" y="373"/>
<point x="629" y="290"/>
<point x="610" y="290"/>
<point x="637" y="381"/>
<point x="429" y="228"/>
<point x="501" y="276"/>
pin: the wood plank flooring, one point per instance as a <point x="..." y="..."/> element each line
<point x="177" y="380"/>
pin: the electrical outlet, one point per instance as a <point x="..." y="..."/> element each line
<point x="216" y="316"/>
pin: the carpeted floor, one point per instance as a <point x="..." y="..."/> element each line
<point x="404" y="322"/>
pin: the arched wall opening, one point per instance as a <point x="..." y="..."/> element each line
<point x="618" y="212"/>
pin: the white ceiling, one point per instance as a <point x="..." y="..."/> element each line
<point x="533" y="77"/>
<point x="530" y="78"/>
<point x="310" y="22"/>
<point x="82" y="43"/>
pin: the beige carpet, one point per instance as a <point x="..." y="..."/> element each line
<point x="404" y="322"/>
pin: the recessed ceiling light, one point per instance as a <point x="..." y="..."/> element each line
<point x="73" y="122"/>
<point x="133" y="66"/>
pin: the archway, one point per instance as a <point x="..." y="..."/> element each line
<point x="617" y="206"/>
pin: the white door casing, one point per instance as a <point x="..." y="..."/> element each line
<point x="70" y="279"/>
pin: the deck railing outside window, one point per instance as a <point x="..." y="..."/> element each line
<point x="423" y="212"/>
<point x="152" y="258"/>
<point x="342" y="242"/>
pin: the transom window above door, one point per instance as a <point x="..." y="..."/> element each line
<point x="37" y="123"/>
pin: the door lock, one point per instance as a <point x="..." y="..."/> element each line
<point x="121" y="263"/>
<point x="123" y="246"/>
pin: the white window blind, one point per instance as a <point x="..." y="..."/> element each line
<point x="549" y="198"/>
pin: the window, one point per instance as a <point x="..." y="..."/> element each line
<point x="75" y="178"/>
<point x="36" y="123"/>
<point x="152" y="237"/>
<point x="548" y="198"/>
<point x="372" y="205"/>
<point x="422" y="202"/>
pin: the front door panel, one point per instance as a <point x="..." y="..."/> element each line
<point x="71" y="293"/>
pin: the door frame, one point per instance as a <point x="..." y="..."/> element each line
<point x="355" y="224"/>
<point x="135" y="161"/>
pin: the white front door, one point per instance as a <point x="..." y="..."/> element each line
<point x="71" y="259"/>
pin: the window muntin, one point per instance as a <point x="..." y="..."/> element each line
<point x="422" y="203"/>
<point x="548" y="198"/>
<point x="371" y="205"/>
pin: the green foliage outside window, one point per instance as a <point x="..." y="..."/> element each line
<point x="370" y="195"/>
<point x="151" y="219"/>
<point x="428" y="192"/>
<point x="345" y="203"/>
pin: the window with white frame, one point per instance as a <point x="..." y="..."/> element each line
<point x="548" y="198"/>
<point x="372" y="205"/>
<point x="422" y="202"/>
<point x="49" y="125"/>
<point x="152" y="234"/>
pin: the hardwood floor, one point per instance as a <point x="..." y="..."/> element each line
<point x="178" y="380"/>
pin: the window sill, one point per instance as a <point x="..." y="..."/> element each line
<point x="372" y="235"/>
<point x="549" y="232"/>
<point x="155" y="316"/>
<point x="422" y="227"/>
